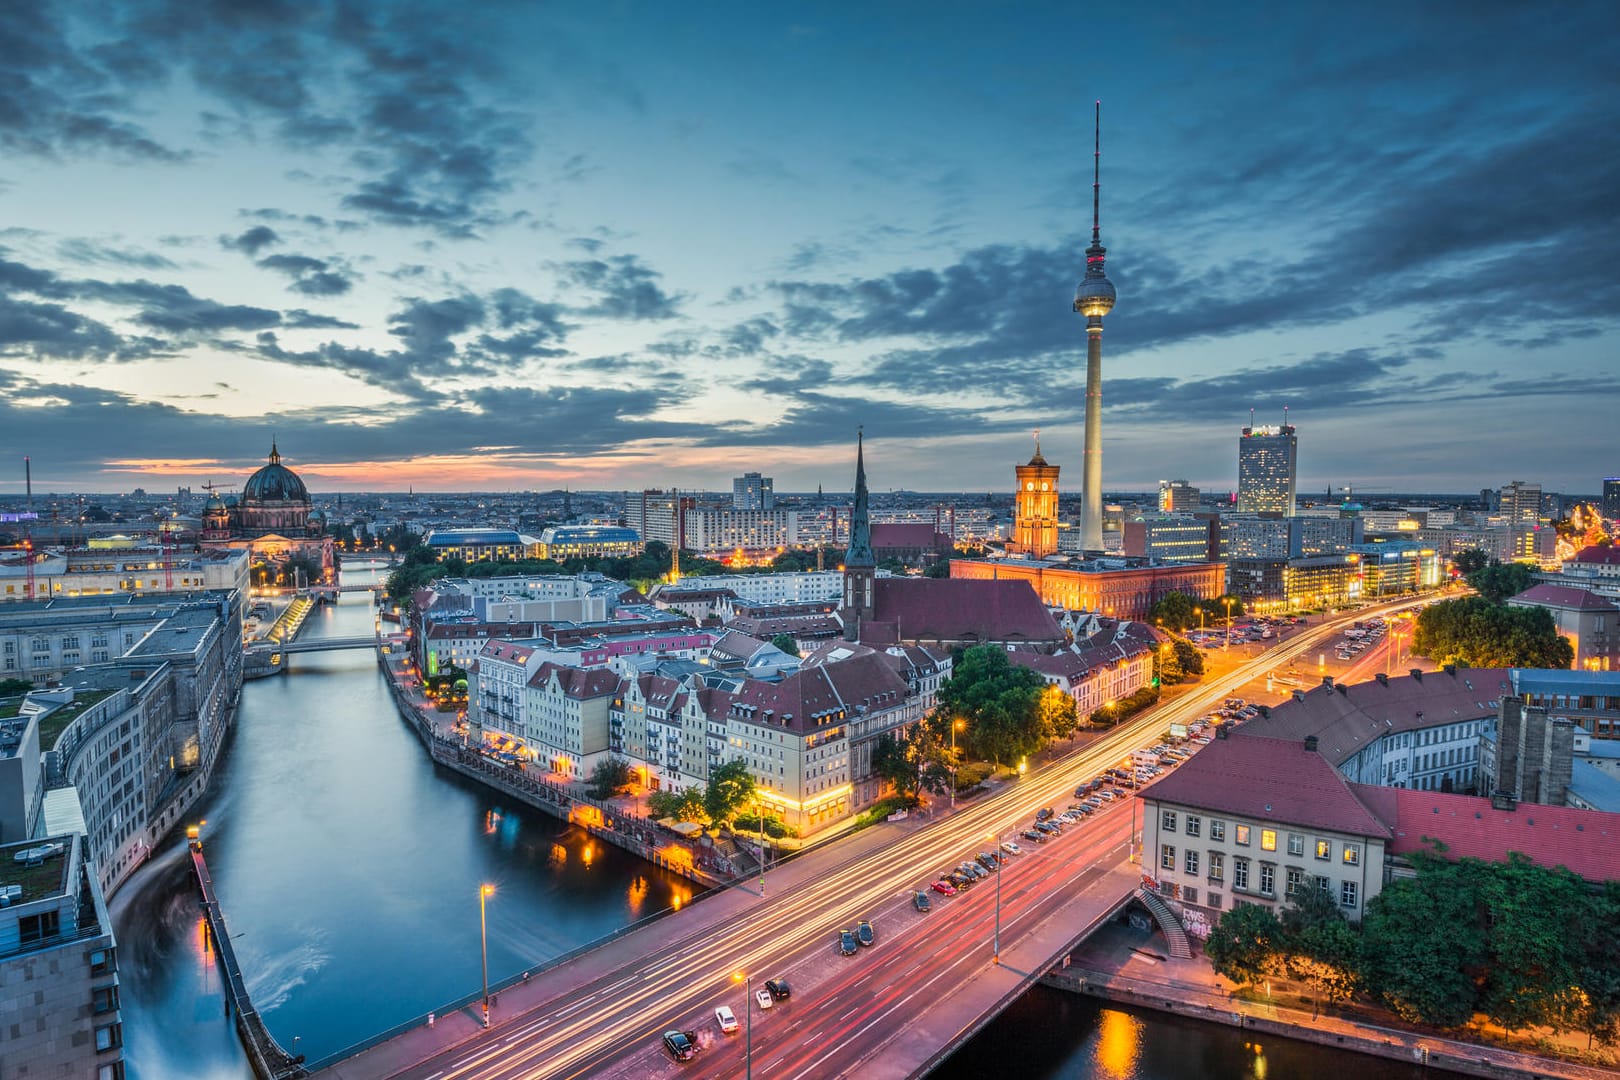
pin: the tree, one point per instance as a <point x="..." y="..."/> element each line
<point x="730" y="787"/>
<point x="1425" y="944"/>
<point x="891" y="761"/>
<point x="682" y="806"/>
<point x="1244" y="944"/>
<point x="1323" y="949"/>
<point x="1470" y="560"/>
<point x="1499" y="580"/>
<point x="11" y="687"/>
<point x="1534" y="974"/>
<point x="786" y="643"/>
<point x="1476" y="632"/>
<point x="609" y="776"/>
<point x="1599" y="1013"/>
<point x="1000" y="702"/>
<point x="1189" y="657"/>
<point x="1173" y="612"/>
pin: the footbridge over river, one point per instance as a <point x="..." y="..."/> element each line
<point x="325" y="644"/>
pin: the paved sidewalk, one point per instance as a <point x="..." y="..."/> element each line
<point x="1131" y="966"/>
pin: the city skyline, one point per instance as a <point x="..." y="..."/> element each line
<point x="533" y="250"/>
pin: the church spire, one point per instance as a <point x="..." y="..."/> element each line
<point x="275" y="455"/>
<point x="860" y="522"/>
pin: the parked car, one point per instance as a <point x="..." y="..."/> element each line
<point x="943" y="887"/>
<point x="763" y="996"/>
<point x="682" y="1045"/>
<point x="920" y="902"/>
<point x="864" y="933"/>
<point x="1033" y="836"/>
<point x="962" y="881"/>
<point x="846" y="942"/>
<point x="726" y="1018"/>
<point x="1011" y="847"/>
<point x="988" y="861"/>
<point x="779" y="988"/>
<point x="1048" y="828"/>
<point x="1043" y="813"/>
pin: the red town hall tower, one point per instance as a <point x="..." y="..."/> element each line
<point x="1035" y="508"/>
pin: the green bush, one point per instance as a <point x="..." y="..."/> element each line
<point x="973" y="774"/>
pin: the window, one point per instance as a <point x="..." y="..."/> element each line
<point x="1268" y="879"/>
<point x="1240" y="873"/>
<point x="1296" y="844"/>
<point x="110" y="1037"/>
<point x="1215" y="900"/>
<point x="104" y="999"/>
<point x="1324" y="849"/>
<point x="1190" y="861"/>
<point x="1324" y="886"/>
<point x="1217" y="831"/>
<point x="1217" y="866"/>
<point x="1167" y="856"/>
<point x="1189" y="894"/>
<point x="1347" y="894"/>
<point x="1167" y="821"/>
<point x="32" y="929"/>
<point x="1352" y="854"/>
<point x="113" y="1070"/>
<point x="101" y="961"/>
<point x="1294" y="880"/>
<point x="1268" y="839"/>
<point x="1241" y="835"/>
<point x="1192" y="825"/>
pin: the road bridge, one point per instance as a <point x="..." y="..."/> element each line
<point x="893" y="1011"/>
<point x="365" y="641"/>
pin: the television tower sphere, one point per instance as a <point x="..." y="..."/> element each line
<point x="1095" y="296"/>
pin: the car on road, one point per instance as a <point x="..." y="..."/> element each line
<point x="846" y="942"/>
<point x="1011" y="847"/>
<point x="725" y="1018"/>
<point x="943" y="887"/>
<point x="920" y="902"/>
<point x="1033" y="836"/>
<point x="864" y="933"/>
<point x="682" y="1045"/>
<point x="779" y="988"/>
<point x="763" y="996"/>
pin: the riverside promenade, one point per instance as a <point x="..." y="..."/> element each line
<point x="1131" y="967"/>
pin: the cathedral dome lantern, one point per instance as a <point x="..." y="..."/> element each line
<point x="274" y="483"/>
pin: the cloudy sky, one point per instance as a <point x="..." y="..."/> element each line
<point x="616" y="245"/>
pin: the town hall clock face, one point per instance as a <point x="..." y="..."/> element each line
<point x="1029" y="486"/>
<point x="1045" y="485"/>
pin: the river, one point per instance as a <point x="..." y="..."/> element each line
<point x="349" y="866"/>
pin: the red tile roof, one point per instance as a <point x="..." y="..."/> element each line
<point x="1564" y="596"/>
<point x="1267" y="780"/>
<point x="1607" y="556"/>
<point x="864" y="680"/>
<point x="962" y="609"/>
<point x="898" y="535"/>
<point x="577" y="682"/>
<point x="1585" y="841"/>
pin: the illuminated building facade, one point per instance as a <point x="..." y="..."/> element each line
<point x="1175" y="538"/>
<point x="1035" y="507"/>
<point x="272" y="520"/>
<point x="1611" y="500"/>
<point x="1521" y="503"/>
<point x="1178" y="497"/>
<point x="751" y="491"/>
<point x="561" y="542"/>
<point x="1307" y="582"/>
<point x="1115" y="587"/>
<point x="1396" y="567"/>
<point x="1268" y="461"/>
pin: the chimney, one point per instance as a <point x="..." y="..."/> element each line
<point x="1310" y="744"/>
<point x="1417" y="674"/>
<point x="1383" y="680"/>
<point x="1503" y="800"/>
<point x="1220" y="732"/>
<point x="1327" y="680"/>
<point x="1265" y="710"/>
<point x="1299" y="695"/>
<point x="1450" y="669"/>
<point x="1343" y="689"/>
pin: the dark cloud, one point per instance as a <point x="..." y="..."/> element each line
<point x="310" y="276"/>
<point x="299" y="319"/>
<point x="625" y="289"/>
<point x="251" y="242"/>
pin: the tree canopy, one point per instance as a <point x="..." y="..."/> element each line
<point x="1477" y="632"/>
<point x="1497" y="581"/>
<point x="730" y="787"/>
<point x="1010" y="712"/>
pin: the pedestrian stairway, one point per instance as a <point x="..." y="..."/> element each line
<point x="1175" y="937"/>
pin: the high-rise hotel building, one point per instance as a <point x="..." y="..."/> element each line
<point x="1268" y="460"/>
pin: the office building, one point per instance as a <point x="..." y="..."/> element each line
<point x="1178" y="497"/>
<point x="1521" y="503"/>
<point x="1268" y="459"/>
<point x="1611" y="499"/>
<point x="751" y="491"/>
<point x="1175" y="538"/>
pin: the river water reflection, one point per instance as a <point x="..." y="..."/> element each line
<point x="348" y="867"/>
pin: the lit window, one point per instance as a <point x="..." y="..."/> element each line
<point x="1324" y="849"/>
<point x="1268" y="839"/>
<point x="1242" y="835"/>
<point x="1352" y="854"/>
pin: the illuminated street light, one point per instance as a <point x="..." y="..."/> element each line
<point x="956" y="725"/>
<point x="995" y="848"/>
<point x="747" y="980"/>
<point x="484" y="892"/>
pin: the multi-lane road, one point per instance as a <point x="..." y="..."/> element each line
<point x="877" y="1013"/>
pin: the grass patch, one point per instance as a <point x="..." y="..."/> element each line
<point x="880" y="811"/>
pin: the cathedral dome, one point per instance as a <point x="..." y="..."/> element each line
<point x="274" y="483"/>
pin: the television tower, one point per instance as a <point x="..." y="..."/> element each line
<point x="1094" y="299"/>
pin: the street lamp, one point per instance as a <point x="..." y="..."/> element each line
<point x="1200" y="613"/>
<point x="956" y="725"/>
<point x="995" y="942"/>
<point x="1227" y="600"/>
<point x="748" y="1009"/>
<point x="484" y="892"/>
